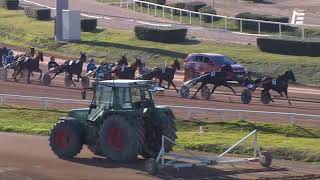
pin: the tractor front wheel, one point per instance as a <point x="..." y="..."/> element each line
<point x="120" y="140"/>
<point x="65" y="139"/>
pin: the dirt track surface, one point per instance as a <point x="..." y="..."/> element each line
<point x="26" y="157"/>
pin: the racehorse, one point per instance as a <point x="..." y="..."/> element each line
<point x="121" y="71"/>
<point x="163" y="75"/>
<point x="217" y="79"/>
<point x="279" y="84"/>
<point x="30" y="65"/>
<point x="73" y="67"/>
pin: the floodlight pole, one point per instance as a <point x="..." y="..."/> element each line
<point x="60" y="5"/>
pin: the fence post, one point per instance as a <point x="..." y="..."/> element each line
<point x="189" y="115"/>
<point x="240" y="25"/>
<point x="190" y="13"/>
<point x="46" y="102"/>
<point x="280" y="31"/>
<point x="225" y="24"/>
<point x="211" y="20"/>
<point x="140" y="7"/>
<point x="200" y="18"/>
<point x="162" y="12"/>
<point x="302" y="32"/>
<point x="1" y="100"/>
<point x="128" y="4"/>
<point x="134" y="6"/>
<point x="180" y="16"/>
<point x="259" y="27"/>
<point x="171" y="14"/>
<point x="148" y="9"/>
<point x="155" y="10"/>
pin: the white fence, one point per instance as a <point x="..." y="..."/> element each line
<point x="188" y="112"/>
<point x="191" y="14"/>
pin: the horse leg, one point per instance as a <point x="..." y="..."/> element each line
<point x="203" y="84"/>
<point x="40" y="71"/>
<point x="212" y="91"/>
<point x="174" y="86"/>
<point x="228" y="86"/>
<point x="72" y="80"/>
<point x="286" y="93"/>
<point x="17" y="73"/>
<point x="30" y="72"/>
<point x="160" y="82"/>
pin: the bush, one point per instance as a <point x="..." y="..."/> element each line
<point x="38" y="13"/>
<point x="160" y="33"/>
<point x="179" y="5"/>
<point x="9" y="4"/>
<point x="161" y="2"/>
<point x="195" y="6"/>
<point x="263" y="26"/>
<point x="289" y="46"/>
<point x="208" y="10"/>
<point x="88" y="24"/>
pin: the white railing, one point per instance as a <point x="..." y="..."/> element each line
<point x="188" y="111"/>
<point x="191" y="14"/>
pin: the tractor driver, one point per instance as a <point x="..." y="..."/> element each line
<point x="52" y="63"/>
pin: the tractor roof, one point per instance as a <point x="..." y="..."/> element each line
<point x="125" y="83"/>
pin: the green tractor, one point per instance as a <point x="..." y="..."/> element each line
<point x="121" y="123"/>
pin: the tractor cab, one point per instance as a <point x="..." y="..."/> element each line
<point x="120" y="95"/>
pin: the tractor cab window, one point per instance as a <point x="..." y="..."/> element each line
<point x="123" y="96"/>
<point x="103" y="98"/>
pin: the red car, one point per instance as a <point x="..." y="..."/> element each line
<point x="199" y="63"/>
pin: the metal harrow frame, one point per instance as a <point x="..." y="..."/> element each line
<point x="177" y="161"/>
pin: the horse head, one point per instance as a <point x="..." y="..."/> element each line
<point x="40" y="56"/>
<point x="290" y="75"/>
<point x="32" y="51"/>
<point x="83" y="56"/>
<point x="137" y="63"/>
<point x="176" y="64"/>
<point x="123" y="61"/>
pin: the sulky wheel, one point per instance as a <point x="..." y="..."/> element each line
<point x="265" y="97"/>
<point x="67" y="81"/>
<point x="65" y="138"/>
<point x="121" y="140"/>
<point x="160" y="122"/>
<point x="205" y="92"/>
<point x="265" y="159"/>
<point x="246" y="96"/>
<point x="3" y="74"/>
<point x="151" y="166"/>
<point x="85" y="82"/>
<point x="46" y="80"/>
<point x="185" y="91"/>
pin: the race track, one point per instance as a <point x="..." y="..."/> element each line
<point x="26" y="157"/>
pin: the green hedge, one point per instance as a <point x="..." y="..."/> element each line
<point x="195" y="6"/>
<point x="289" y="46"/>
<point x="180" y="5"/>
<point x="160" y="33"/>
<point x="263" y="26"/>
<point x="88" y="24"/>
<point x="38" y="13"/>
<point x="208" y="10"/>
<point x="9" y="4"/>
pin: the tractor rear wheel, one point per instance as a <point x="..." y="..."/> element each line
<point x="65" y="138"/>
<point x="161" y="123"/>
<point x="121" y="140"/>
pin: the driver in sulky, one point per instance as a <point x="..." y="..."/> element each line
<point x="52" y="63"/>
